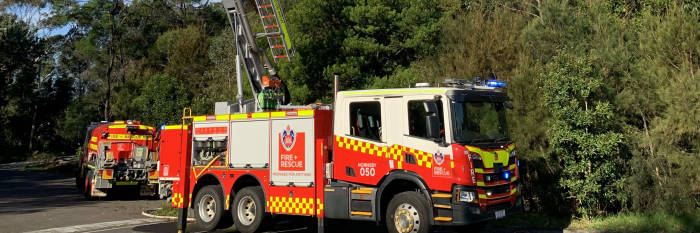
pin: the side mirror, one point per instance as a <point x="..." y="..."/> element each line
<point x="432" y="126"/>
<point x="430" y="107"/>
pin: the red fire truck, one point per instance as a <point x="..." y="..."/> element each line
<point x="410" y="158"/>
<point x="118" y="155"/>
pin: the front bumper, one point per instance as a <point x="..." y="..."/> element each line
<point x="465" y="214"/>
<point x="462" y="213"/>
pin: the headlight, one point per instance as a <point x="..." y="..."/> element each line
<point x="467" y="196"/>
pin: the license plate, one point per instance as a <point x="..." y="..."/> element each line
<point x="500" y="214"/>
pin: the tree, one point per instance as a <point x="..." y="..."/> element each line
<point x="162" y="100"/>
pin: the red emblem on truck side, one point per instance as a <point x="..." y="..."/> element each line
<point x="291" y="157"/>
<point x="288" y="138"/>
<point x="439" y="158"/>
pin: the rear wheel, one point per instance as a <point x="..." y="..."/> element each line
<point x="249" y="210"/>
<point x="87" y="186"/>
<point x="407" y="213"/>
<point x="208" y="207"/>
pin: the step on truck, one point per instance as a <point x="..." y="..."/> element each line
<point x="118" y="155"/>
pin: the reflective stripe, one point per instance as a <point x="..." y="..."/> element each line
<point x="394" y="152"/>
<point x="222" y="117"/>
<point x="294" y="205"/>
<point x="93" y="146"/>
<point x="175" y="127"/>
<point x="199" y="118"/>
<point x="260" y="115"/>
<point x="123" y="126"/>
<point x="239" y="116"/>
<point x="417" y="90"/>
<point x="93" y="139"/>
<point x="129" y="137"/>
<point x="278" y="114"/>
<point x="489" y="158"/>
<point x="305" y="112"/>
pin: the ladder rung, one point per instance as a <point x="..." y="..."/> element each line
<point x="266" y="6"/>
<point x="281" y="56"/>
<point x="271" y="26"/>
<point x="278" y="46"/>
<point x="268" y="16"/>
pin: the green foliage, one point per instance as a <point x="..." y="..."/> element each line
<point x="583" y="134"/>
<point x="361" y="41"/>
<point x="162" y="100"/>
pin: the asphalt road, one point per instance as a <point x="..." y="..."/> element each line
<point x="31" y="201"/>
<point x="48" y="202"/>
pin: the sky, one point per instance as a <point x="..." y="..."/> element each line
<point x="33" y="15"/>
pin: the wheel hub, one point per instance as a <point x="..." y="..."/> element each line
<point x="406" y="218"/>
<point x="246" y="210"/>
<point x="207" y="208"/>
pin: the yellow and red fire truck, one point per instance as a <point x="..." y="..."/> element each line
<point x="118" y="155"/>
<point x="411" y="158"/>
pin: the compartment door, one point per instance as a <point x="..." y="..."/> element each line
<point x="250" y="144"/>
<point x="292" y="147"/>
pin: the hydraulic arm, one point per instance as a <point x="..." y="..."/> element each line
<point x="268" y="90"/>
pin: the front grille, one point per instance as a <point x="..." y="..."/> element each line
<point x="498" y="189"/>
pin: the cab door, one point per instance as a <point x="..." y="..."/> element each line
<point x="429" y="157"/>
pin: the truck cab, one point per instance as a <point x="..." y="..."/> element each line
<point x="451" y="142"/>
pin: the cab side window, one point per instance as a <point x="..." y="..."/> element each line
<point x="416" y="118"/>
<point x="365" y="120"/>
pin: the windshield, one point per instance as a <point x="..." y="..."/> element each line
<point x="476" y="122"/>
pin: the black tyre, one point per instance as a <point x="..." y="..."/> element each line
<point x="249" y="210"/>
<point x="407" y="213"/>
<point x="79" y="181"/>
<point x="87" y="185"/>
<point x="209" y="207"/>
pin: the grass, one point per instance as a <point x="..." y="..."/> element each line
<point x="534" y="220"/>
<point x="633" y="222"/>
<point x="623" y="222"/>
<point x="166" y="210"/>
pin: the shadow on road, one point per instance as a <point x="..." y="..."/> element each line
<point x="23" y="192"/>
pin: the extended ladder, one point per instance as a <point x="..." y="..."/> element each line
<point x="272" y="18"/>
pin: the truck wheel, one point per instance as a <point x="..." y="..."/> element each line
<point x="87" y="186"/>
<point x="249" y="210"/>
<point x="407" y="213"/>
<point x="208" y="207"/>
<point x="79" y="182"/>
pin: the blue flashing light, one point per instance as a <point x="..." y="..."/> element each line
<point x="162" y="127"/>
<point x="506" y="175"/>
<point x="495" y="83"/>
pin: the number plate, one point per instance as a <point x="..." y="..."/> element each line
<point x="500" y="214"/>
